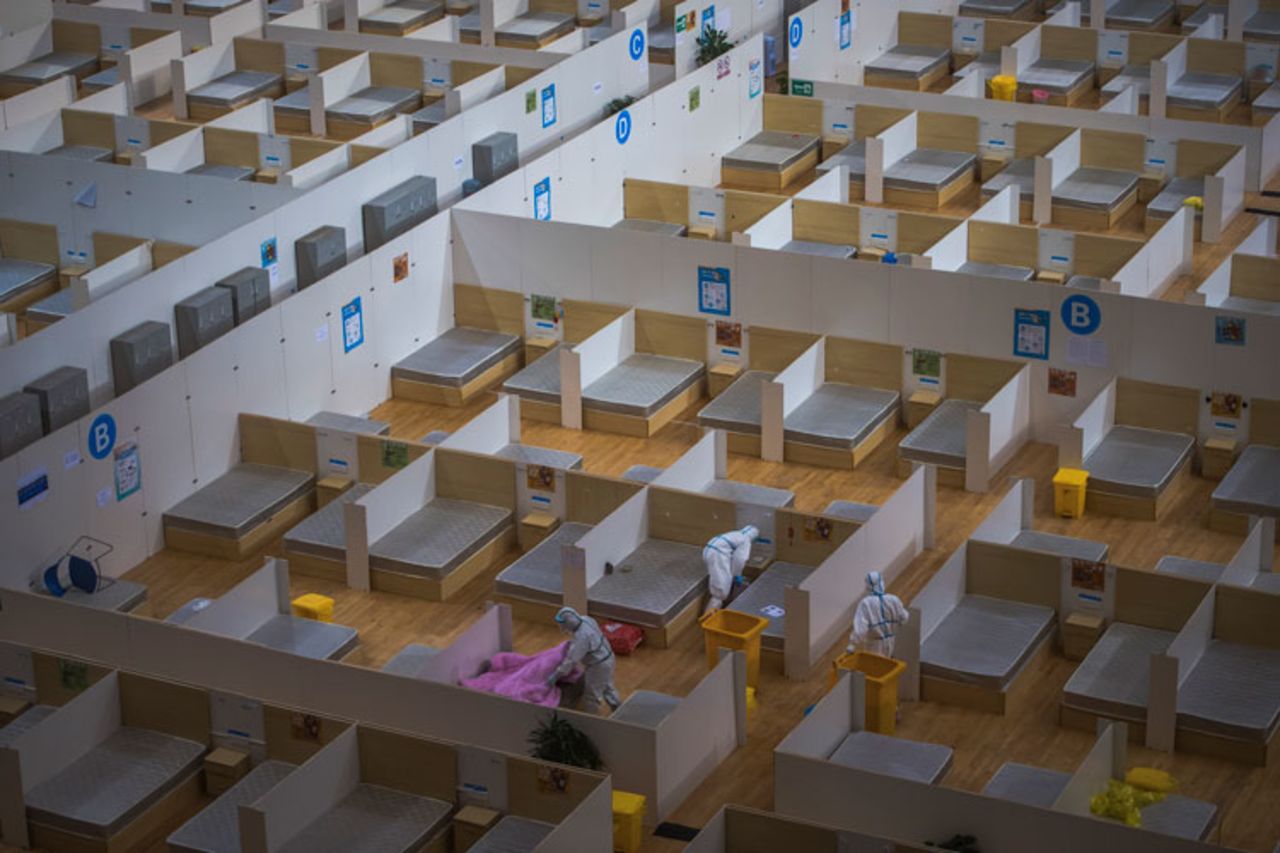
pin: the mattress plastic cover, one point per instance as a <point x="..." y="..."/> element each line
<point x="651" y="585"/>
<point x="653" y="226"/>
<point x="1085" y="282"/>
<point x="1170" y="199"/>
<point x="1196" y="570"/>
<point x="527" y="454"/>
<point x="1112" y="679"/>
<point x="1232" y="691"/>
<point x="1139" y="13"/>
<point x="306" y="638"/>
<point x="539" y="380"/>
<point x="118" y="595"/>
<point x="822" y="250"/>
<point x="851" y="511"/>
<point x="100" y="792"/>
<point x="297" y="102"/>
<point x="375" y="103"/>
<point x="940" y="438"/>
<point x="216" y="829"/>
<point x="1055" y="75"/>
<point x="323" y="533"/>
<point x="1062" y="546"/>
<point x="537" y="574"/>
<point x="373" y="819"/>
<point x="239" y="500"/>
<point x="1200" y="90"/>
<point x="891" y="756"/>
<point x="535" y="26"/>
<point x="642" y="473"/>
<point x="223" y="171"/>
<point x="236" y="87"/>
<point x="23" y="723"/>
<point x="456" y="357"/>
<point x="985" y="641"/>
<point x="1013" y="273"/>
<point x="1020" y="173"/>
<point x="1136" y="461"/>
<point x="766" y="597"/>
<point x="1095" y="189"/>
<point x="909" y="60"/>
<point x="1263" y="26"/>
<point x="436" y="539"/>
<point x="642" y="384"/>
<point x="993" y="8"/>
<point x="839" y="415"/>
<point x="771" y="151"/>
<point x="87" y="153"/>
<point x="750" y="493"/>
<point x="646" y="708"/>
<point x="737" y="408"/>
<point x="349" y="423"/>
<point x="929" y="169"/>
<point x="409" y="660"/>
<point x="853" y="155"/>
<point x="49" y="67"/>
<point x="513" y="835"/>
<point x="18" y="276"/>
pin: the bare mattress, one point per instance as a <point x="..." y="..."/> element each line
<point x="323" y="533"/>
<point x="940" y="438"/>
<point x="1092" y="188"/>
<point x="375" y="104"/>
<point x="438" y="538"/>
<point x="537" y="575"/>
<point x="766" y="597"/>
<point x="642" y="384"/>
<point x="1062" y="546"/>
<point x="238" y="87"/>
<point x="240" y="500"/>
<point x="538" y="381"/>
<point x="1252" y="486"/>
<point x="651" y="585"/>
<point x="1233" y="691"/>
<point x="840" y="415"/>
<point x="1058" y="76"/>
<point x="373" y="819"/>
<point x="892" y="756"/>
<point x="512" y="835"/>
<point x="1112" y="679"/>
<point x="771" y="151"/>
<point x="909" y="60"/>
<point x="929" y="169"/>
<point x="456" y="357"/>
<point x="216" y="829"/>
<point x="737" y="408"/>
<point x="1135" y="461"/>
<point x="306" y="638"/>
<point x="985" y="641"/>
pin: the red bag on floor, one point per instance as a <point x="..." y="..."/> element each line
<point x="623" y="639"/>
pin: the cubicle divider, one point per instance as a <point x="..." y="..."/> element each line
<point x="198" y="31"/>
<point x="995" y="433"/>
<point x="739" y="19"/>
<point x="42" y="100"/>
<point x="1252" y="281"/>
<point x="781" y="396"/>
<point x="248" y="605"/>
<point x="609" y="541"/>
<point x="469" y="654"/>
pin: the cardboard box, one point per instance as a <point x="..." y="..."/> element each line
<point x="223" y="768"/>
<point x="1216" y="457"/>
<point x="470" y="824"/>
<point x="701" y="232"/>
<point x="920" y="405"/>
<point x="536" y="347"/>
<point x="1079" y="632"/>
<point x="721" y="376"/>
<point x="535" y="527"/>
<point x="1051" y="277"/>
<point x="328" y="488"/>
<point x="10" y="708"/>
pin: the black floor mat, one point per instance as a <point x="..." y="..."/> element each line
<point x="676" y="831"/>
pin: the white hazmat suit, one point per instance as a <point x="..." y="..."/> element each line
<point x="726" y="555"/>
<point x="588" y="648"/>
<point x="876" y="619"/>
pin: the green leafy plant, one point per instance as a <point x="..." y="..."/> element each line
<point x="712" y="43"/>
<point x="556" y="739"/>
<point x="617" y="105"/>
<point x="784" y="82"/>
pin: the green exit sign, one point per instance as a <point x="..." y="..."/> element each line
<point x="802" y="87"/>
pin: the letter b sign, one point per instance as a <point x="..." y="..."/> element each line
<point x="102" y="436"/>
<point x="1081" y="315"/>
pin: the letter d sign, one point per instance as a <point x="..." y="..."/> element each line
<point x="102" y="436"/>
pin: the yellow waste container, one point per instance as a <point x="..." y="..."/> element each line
<point x="729" y="629"/>
<point x="881" y="676"/>
<point x="628" y="821"/>
<point x="314" y="606"/>
<point x="1069" y="487"/>
<point x="1004" y="87"/>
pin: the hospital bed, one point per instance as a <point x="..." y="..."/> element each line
<point x="837" y="251"/>
<point x="89" y="153"/>
<point x="1196" y="570"/>
<point x="653" y="226"/>
<point x="533" y="585"/>
<point x="440" y="547"/>
<point x="658" y="586"/>
<point x="1251" y="487"/>
<point x="1022" y="10"/>
<point x="1131" y="14"/>
<point x="1136" y="76"/>
<point x="24" y="282"/>
<point x="1065" y="81"/>
<point x="202" y="8"/>
<point x="1059" y="546"/>
<point x="525" y="455"/>
<point x="216" y="829"/>
<point x="317" y="545"/>
<point x="95" y="798"/>
<point x="1232" y="694"/>
<point x="1112" y="680"/>
<point x="456" y="366"/>
<point x="908" y="66"/>
<point x="431" y="115"/>
<point x="1200" y="96"/>
<point x="370" y="107"/>
<point x="231" y="92"/>
<point x="642" y="394"/>
<point x="1038" y="786"/>
<point x="642" y="473"/>
<point x="530" y="31"/>
<point x="100" y="80"/>
<point x="349" y="423"/>
<point x="1170" y="200"/>
<point x="1201" y="16"/>
<point x="409" y="660"/>
<point x="1131" y="468"/>
<point x="538" y="387"/>
<point x="839" y="425"/>
<point x="924" y="177"/>
<point x="736" y="410"/>
<point x="240" y="511"/>
<point x="891" y="756"/>
<point x="405" y="16"/>
<point x="374" y="819"/>
<point x="985" y="64"/>
<point x="1021" y="174"/>
<point x="770" y="160"/>
<point x="223" y="171"/>
<point x="766" y="597"/>
<point x="45" y="68"/>
<point x="1266" y="105"/>
<point x="1091" y="197"/>
<point x="307" y="638"/>
<point x="940" y="440"/>
<point x="513" y="834"/>
<point x="292" y="112"/>
<point x="851" y="511"/>
<point x="50" y="310"/>
<point x="1005" y="271"/>
<point x="646" y="708"/>
<point x="1264" y="25"/>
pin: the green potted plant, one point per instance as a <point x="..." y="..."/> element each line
<point x="617" y="105"/>
<point x="556" y="739"/>
<point x="712" y="43"/>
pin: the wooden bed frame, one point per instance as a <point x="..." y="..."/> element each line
<point x="897" y="81"/>
<point x="1131" y="506"/>
<point x="1016" y="696"/>
<point x="1251" y="753"/>
<point x="449" y="395"/>
<point x="1096" y="220"/>
<point x="432" y="589"/>
<point x="764" y="180"/>
<point x="207" y="544"/>
<point x="931" y="199"/>
<point x="635" y="425"/>
<point x="1215" y="114"/>
<point x="837" y="457"/>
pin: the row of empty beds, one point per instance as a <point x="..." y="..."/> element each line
<point x="926" y="176"/>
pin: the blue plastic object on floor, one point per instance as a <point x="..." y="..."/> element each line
<point x="889" y="258"/>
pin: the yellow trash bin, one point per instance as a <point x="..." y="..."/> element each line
<point x="1004" y="87"/>
<point x="881" y="676"/>
<point x="628" y="821"/>
<point x="729" y="629"/>
<point x="314" y="606"/>
<point x="1069" y="487"/>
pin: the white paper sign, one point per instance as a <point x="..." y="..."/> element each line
<point x="1261" y="60"/>
<point x="1057" y="250"/>
<point x="878" y="228"/>
<point x="1113" y="48"/>
<point x="1160" y="157"/>
<point x="301" y="57"/>
<point x="437" y="73"/>
<point x="837" y="119"/>
<point x="1086" y="351"/>
<point x="706" y="208"/>
<point x="322" y="333"/>
<point x="274" y="152"/>
<point x="237" y="716"/>
<point x="967" y="35"/>
<point x="133" y="133"/>
<point x="995" y="137"/>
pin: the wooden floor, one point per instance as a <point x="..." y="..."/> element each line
<point x="1247" y="797"/>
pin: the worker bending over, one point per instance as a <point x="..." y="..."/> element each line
<point x="876" y="619"/>
<point x="726" y="555"/>
<point x="588" y="647"/>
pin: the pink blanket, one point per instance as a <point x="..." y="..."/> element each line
<point x="518" y="676"/>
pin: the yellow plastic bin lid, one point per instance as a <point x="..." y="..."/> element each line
<point x="876" y="668"/>
<point x="732" y="623"/>
<point x="1070" y="477"/>
<point x="625" y="803"/>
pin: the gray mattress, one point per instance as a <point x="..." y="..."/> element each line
<point x="750" y="493"/>
<point x="216" y="829"/>
<point x="535" y="27"/>
<point x="737" y="408"/>
<point x="1085" y="282"/>
<point x="1267" y="582"/>
<point x="117" y="595"/>
<point x="306" y="638"/>
<point x="646" y="708"/>
<point x="929" y="169"/>
<point x="539" y="380"/>
<point x="1095" y="189"/>
<point x="1013" y="273"/>
<point x="25" y="722"/>
<point x="1196" y="570"/>
<point x="513" y="835"/>
<point x="1061" y="546"/>
<point x="236" y="88"/>
<point x="410" y="660"/>
<point x="771" y="151"/>
<point x="1137" y="76"/>
<point x="429" y="116"/>
<point x="1230" y="303"/>
<point x="822" y="250"/>
<point x="241" y="499"/>
<point x="642" y="473"/>
<point x="993" y="8"/>
<point x="1232" y="691"/>
<point x="527" y="454"/>
<point x="766" y="595"/>
<point x="840" y="415"/>
<point x="1252" y="486"/>
<point x="853" y="155"/>
<point x="940" y="438"/>
<point x="1058" y="76"/>
<point x="1204" y="91"/>
<point x="537" y="575"/>
<point x="349" y="423"/>
<point x="50" y="67"/>
<point x="642" y="384"/>
<point x="909" y="60"/>
<point x="401" y="15"/>
<point x="223" y="171"/>
<point x="1020" y="173"/>
<point x="1263" y="26"/>
<point x="99" y="793"/>
<point x="375" y="104"/>
<point x="1139" y="13"/>
<point x="1136" y="461"/>
<point x="653" y="226"/>
<point x="1269" y="99"/>
<point x="1201" y="16"/>
<point x="1170" y="199"/>
<point x="323" y="533"/>
<point x="891" y="756"/>
<point x="456" y="357"/>
<point x="88" y="153"/>
<point x="985" y="641"/>
<point x="373" y="819"/>
<point x="851" y="511"/>
<point x="651" y="585"/>
<point x="438" y="538"/>
<point x="297" y="103"/>
<point x="18" y="276"/>
<point x="1112" y="679"/>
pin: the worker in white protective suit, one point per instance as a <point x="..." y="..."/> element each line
<point x="876" y="619"/>
<point x="725" y="556"/>
<point x="588" y="648"/>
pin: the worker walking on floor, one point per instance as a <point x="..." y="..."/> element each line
<point x="726" y="555"/>
<point x="588" y="647"/>
<point x="876" y="619"/>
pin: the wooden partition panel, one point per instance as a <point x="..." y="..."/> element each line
<point x="971" y="377"/>
<point x="870" y="120"/>
<point x="76" y="36"/>
<point x="1100" y="255"/>
<point x="809" y="538"/>
<point x="487" y="308"/>
<point x="774" y="349"/>
<point x="394" y="69"/>
<point x="564" y="7"/>
<point x="1145" y="47"/>
<point x="59" y="680"/>
<point x="1167" y="407"/>
<point x="1247" y="616"/>
<point x="917" y="232"/>
<point x="583" y="319"/>
<point x="743" y="209"/>
<point x="689" y="518"/>
<point x="81" y="127"/>
<point x="163" y="252"/>
<point x="108" y="246"/>
<point x="997" y="32"/>
<point x="948" y="132"/>
<point x="163" y="131"/>
<point x="1264" y="426"/>
<point x="924" y="28"/>
<point x="257" y="55"/>
<point x="31" y="241"/>
<point x="327" y="57"/>
<point x="794" y="115"/>
<point x="1255" y="277"/>
<point x="1210" y="56"/>
<point x="999" y="571"/>
<point x="1161" y="601"/>
<point x="759" y="832"/>
<point x="1031" y="139"/>
<point x="272" y="441"/>
<point x="304" y="150"/>
<point x="463" y="71"/>
<point x="864" y="363"/>
<point x="163" y="706"/>
<point x="529" y="795"/>
<point x="655" y="200"/>
<point x="1000" y="243"/>
<point x="475" y="477"/>
<point x="1197" y="158"/>
<point x="406" y="763"/>
<point x="379" y="457"/>
<point x="514" y="75"/>
<point x="1068" y="43"/>
<point x="674" y="335"/>
<point x="230" y="147"/>
<point x="825" y="222"/>
<point x="589" y="498"/>
<point x="1111" y="149"/>
<point x="139" y="36"/>
<point x="295" y="736"/>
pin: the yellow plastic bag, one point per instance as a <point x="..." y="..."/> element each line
<point x="1151" y="779"/>
<point x="1193" y="201"/>
<point x="1123" y="802"/>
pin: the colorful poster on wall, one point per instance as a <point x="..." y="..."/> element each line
<point x="728" y="335"/>
<point x="714" y="295"/>
<point x="549" y="105"/>
<point x="695" y="98"/>
<point x="33" y="488"/>
<point x="1223" y="404"/>
<point x="1030" y="333"/>
<point x="530" y="101"/>
<point x="352" y="325"/>
<point x="399" y="268"/>
<point x="846" y="29"/>
<point x="269" y="255"/>
<point x="1062" y="383"/>
<point x="72" y="674"/>
<point x="128" y="468"/>
<point x="1089" y="575"/>
<point x="395" y="454"/>
<point x="709" y="18"/>
<point x="926" y="363"/>
<point x="1229" y="331"/>
<point x="755" y="78"/>
<point x="545" y="311"/>
<point x="816" y="529"/>
<point x="542" y="200"/>
<point x="540" y="478"/>
<point x="304" y="726"/>
<point x="722" y="66"/>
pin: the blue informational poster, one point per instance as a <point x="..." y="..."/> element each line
<point x="846" y="29"/>
<point x="352" y="325"/>
<point x="713" y="291"/>
<point x="1030" y="333"/>
<point x="542" y="199"/>
<point x="549" y="105"/>
<point x="709" y="18"/>
<point x="755" y="79"/>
